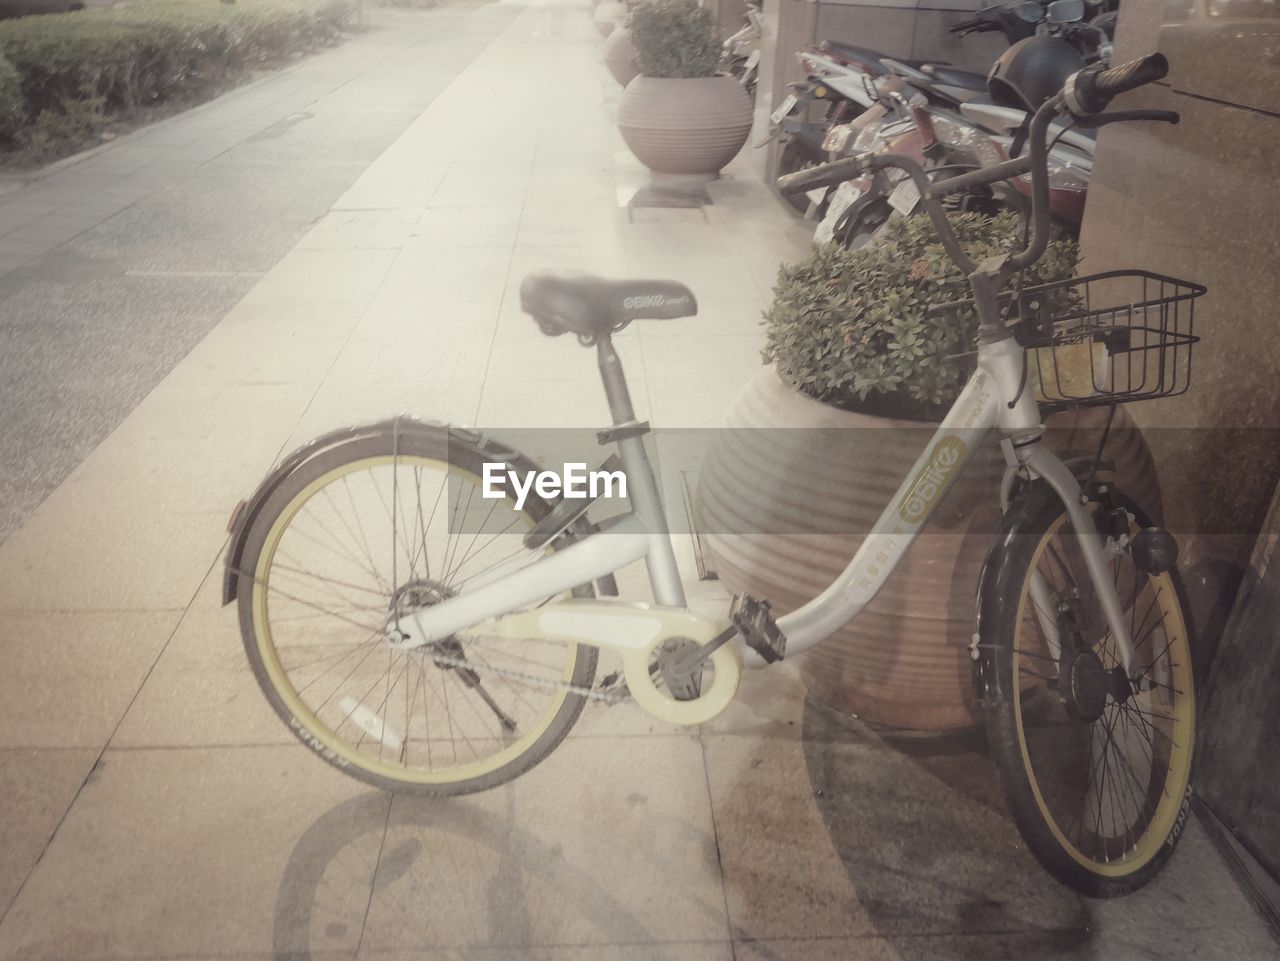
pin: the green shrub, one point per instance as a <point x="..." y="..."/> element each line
<point x="118" y="60"/>
<point x="674" y="38"/>
<point x="849" y="327"/>
<point x="54" y="128"/>
<point x="13" y="112"/>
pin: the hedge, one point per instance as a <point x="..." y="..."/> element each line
<point x="88" y="65"/>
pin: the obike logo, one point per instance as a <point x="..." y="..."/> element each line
<point x="933" y="480"/>
<point x="652" y="300"/>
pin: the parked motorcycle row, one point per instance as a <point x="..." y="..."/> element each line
<point x="859" y="101"/>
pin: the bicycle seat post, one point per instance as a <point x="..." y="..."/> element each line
<point x="615" y="382"/>
<point x="642" y="486"/>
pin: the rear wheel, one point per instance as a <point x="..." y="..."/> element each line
<point x="352" y="540"/>
<point x="1096" y="766"/>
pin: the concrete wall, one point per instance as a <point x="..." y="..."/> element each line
<point x="1200" y="201"/>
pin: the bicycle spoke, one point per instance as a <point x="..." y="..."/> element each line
<point x="329" y="577"/>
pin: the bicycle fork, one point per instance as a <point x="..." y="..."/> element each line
<point x="1040" y="462"/>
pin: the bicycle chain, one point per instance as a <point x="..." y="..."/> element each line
<point x="612" y="695"/>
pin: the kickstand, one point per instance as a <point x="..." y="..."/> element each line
<point x="472" y="680"/>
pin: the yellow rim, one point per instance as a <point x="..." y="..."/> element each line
<point x="1169" y="808"/>
<point x="328" y="740"/>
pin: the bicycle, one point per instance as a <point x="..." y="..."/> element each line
<point x="448" y="651"/>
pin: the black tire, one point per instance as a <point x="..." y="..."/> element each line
<point x="435" y="444"/>
<point x="1036" y="801"/>
<point x="794" y="156"/>
<point x="859" y="228"/>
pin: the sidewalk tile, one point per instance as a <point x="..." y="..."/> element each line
<point x="782" y="874"/>
<point x="202" y="692"/>
<point x="521" y="873"/>
<point x="1137" y="944"/>
<point x="81" y="560"/>
<point x="453" y="227"/>
<point x="412" y="186"/>
<point x="70" y="677"/>
<point x="691" y="380"/>
<point x="183" y="852"/>
<point x="346" y="403"/>
<point x="686" y="951"/>
<point x="171" y="454"/>
<point x="323" y="277"/>
<point x="37" y="787"/>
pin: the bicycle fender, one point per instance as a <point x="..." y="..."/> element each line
<point x="998" y="578"/>
<point x="248" y="510"/>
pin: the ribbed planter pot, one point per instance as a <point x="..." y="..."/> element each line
<point x="783" y="510"/>
<point x="620" y="56"/>
<point x="607" y="15"/>
<point x="687" y="127"/>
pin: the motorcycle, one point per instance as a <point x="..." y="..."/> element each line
<point x="974" y="132"/>
<point x="903" y="123"/>
<point x="842" y="93"/>
<point x="841" y="77"/>
<point x="740" y="56"/>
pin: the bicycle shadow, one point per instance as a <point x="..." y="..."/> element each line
<point x="921" y="828"/>
<point x="417" y="830"/>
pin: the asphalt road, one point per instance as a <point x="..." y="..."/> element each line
<point x="139" y="250"/>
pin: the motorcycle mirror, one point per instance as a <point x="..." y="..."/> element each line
<point x="1066" y="11"/>
<point x="1030" y="11"/>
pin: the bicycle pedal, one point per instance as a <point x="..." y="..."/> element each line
<point x="754" y="620"/>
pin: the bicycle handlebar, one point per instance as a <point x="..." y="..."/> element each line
<point x="1088" y="91"/>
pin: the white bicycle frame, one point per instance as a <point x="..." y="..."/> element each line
<point x="994" y="397"/>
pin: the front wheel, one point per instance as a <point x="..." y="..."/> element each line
<point x="865" y="225"/>
<point x="796" y="155"/>
<point x="1096" y="766"/>
<point x="352" y="540"/>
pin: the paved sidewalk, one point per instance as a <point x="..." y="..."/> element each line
<point x="156" y="807"/>
<point x="117" y="263"/>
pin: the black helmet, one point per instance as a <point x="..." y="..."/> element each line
<point x="1032" y="71"/>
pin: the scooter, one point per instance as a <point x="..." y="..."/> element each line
<point x="903" y="123"/>
<point x="843" y="94"/>
<point x="741" y="51"/>
<point x="977" y="133"/>
<point x="842" y="77"/>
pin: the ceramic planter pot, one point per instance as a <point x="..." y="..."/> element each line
<point x="783" y="510"/>
<point x="688" y="127"/>
<point x="620" y="56"/>
<point x="607" y="15"/>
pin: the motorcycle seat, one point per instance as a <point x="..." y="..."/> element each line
<point x="972" y="108"/>
<point x="589" y="306"/>
<point x="866" y="55"/>
<point x="951" y="77"/>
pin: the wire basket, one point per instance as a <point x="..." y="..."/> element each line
<point x="1108" y="338"/>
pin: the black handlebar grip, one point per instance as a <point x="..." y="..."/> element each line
<point x="822" y="175"/>
<point x="1090" y="90"/>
